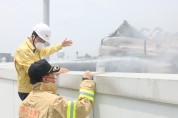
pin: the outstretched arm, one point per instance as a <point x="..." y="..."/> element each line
<point x="54" y="48"/>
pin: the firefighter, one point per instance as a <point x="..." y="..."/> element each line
<point x="42" y="102"/>
<point x="32" y="50"/>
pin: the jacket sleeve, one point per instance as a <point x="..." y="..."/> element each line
<point x="50" y="50"/>
<point x="83" y="106"/>
<point x="80" y="108"/>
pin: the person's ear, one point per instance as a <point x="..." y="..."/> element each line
<point x="45" y="79"/>
<point x="33" y="36"/>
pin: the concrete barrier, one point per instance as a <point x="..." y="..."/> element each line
<point x="118" y="95"/>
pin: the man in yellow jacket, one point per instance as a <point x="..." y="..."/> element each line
<point x="42" y="102"/>
<point x="32" y="50"/>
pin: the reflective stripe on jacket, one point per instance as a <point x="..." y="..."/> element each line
<point x="24" y="57"/>
<point x="44" y="104"/>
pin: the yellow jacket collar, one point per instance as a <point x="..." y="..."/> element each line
<point x="49" y="87"/>
<point x="30" y="45"/>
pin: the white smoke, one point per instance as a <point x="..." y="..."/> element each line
<point x="128" y="50"/>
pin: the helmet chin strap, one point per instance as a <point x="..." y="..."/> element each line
<point x="34" y="44"/>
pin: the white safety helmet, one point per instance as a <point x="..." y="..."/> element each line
<point x="43" y="31"/>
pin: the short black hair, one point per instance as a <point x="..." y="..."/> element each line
<point x="34" y="80"/>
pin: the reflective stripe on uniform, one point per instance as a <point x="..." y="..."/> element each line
<point x="71" y="109"/>
<point x="87" y="94"/>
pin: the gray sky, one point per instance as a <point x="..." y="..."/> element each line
<point x="83" y="21"/>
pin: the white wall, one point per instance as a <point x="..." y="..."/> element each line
<point x="120" y="95"/>
<point x="6" y="98"/>
<point x="124" y="107"/>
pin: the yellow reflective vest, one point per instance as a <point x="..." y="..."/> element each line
<point x="24" y="57"/>
<point x="42" y="103"/>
